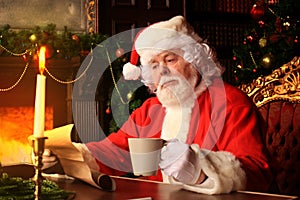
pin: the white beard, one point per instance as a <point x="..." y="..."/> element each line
<point x="179" y="101"/>
<point x="176" y="123"/>
<point x="181" y="94"/>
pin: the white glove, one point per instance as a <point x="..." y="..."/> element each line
<point x="179" y="161"/>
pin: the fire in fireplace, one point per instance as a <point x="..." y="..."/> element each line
<point x="16" y="124"/>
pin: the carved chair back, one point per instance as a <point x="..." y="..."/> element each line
<point x="277" y="97"/>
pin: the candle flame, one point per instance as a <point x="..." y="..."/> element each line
<point x="42" y="59"/>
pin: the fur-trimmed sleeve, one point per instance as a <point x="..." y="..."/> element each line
<point x="223" y="171"/>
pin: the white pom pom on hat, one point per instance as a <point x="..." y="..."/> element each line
<point x="131" y="72"/>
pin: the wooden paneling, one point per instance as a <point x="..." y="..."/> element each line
<point x="121" y="15"/>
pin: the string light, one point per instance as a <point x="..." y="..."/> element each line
<point x="253" y="60"/>
<point x="12" y="53"/>
<point x="17" y="82"/>
<point x="74" y="80"/>
<point x="62" y="81"/>
<point x="274" y="13"/>
<point x="239" y="66"/>
<point x="48" y="72"/>
<point x="114" y="80"/>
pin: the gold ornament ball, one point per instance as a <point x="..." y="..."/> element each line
<point x="124" y="60"/>
<point x="33" y="38"/>
<point x="130" y="95"/>
<point x="267" y="61"/>
<point x="262" y="42"/>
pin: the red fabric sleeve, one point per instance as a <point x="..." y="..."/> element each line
<point x="228" y="121"/>
<point x="112" y="153"/>
<point x="242" y="135"/>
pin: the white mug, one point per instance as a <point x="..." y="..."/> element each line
<point x="145" y="155"/>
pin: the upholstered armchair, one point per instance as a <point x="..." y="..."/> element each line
<point x="277" y="97"/>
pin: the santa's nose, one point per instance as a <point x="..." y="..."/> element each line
<point x="164" y="70"/>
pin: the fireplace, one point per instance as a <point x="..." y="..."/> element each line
<point x="17" y="104"/>
<point x="16" y="124"/>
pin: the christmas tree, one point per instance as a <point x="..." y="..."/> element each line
<point x="272" y="40"/>
<point x="124" y="96"/>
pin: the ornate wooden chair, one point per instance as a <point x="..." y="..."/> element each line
<point x="277" y="97"/>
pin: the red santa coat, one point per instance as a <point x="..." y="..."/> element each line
<point x="223" y="120"/>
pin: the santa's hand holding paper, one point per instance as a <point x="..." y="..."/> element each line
<point x="49" y="160"/>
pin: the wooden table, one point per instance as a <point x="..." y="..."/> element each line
<point x="135" y="188"/>
<point x="128" y="188"/>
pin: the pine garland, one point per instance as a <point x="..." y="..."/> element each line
<point x="60" y="44"/>
<point x="16" y="188"/>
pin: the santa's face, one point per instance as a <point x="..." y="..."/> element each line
<point x="173" y="77"/>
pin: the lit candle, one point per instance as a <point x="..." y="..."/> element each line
<point x="39" y="109"/>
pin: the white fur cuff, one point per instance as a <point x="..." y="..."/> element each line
<point x="131" y="72"/>
<point x="223" y="170"/>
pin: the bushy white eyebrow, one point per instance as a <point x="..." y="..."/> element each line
<point x="165" y="54"/>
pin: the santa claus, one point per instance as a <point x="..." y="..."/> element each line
<point x="213" y="130"/>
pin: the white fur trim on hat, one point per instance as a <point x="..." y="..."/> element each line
<point x="166" y="35"/>
<point x="131" y="72"/>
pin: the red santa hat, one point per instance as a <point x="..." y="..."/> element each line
<point x="130" y="70"/>
<point x="166" y="35"/>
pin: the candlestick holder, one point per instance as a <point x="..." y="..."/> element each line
<point x="38" y="145"/>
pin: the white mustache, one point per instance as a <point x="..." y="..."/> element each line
<point x="164" y="80"/>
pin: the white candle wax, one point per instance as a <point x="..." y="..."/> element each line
<point x="39" y="109"/>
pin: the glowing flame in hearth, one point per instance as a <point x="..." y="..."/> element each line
<point x="15" y="127"/>
<point x="13" y="152"/>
